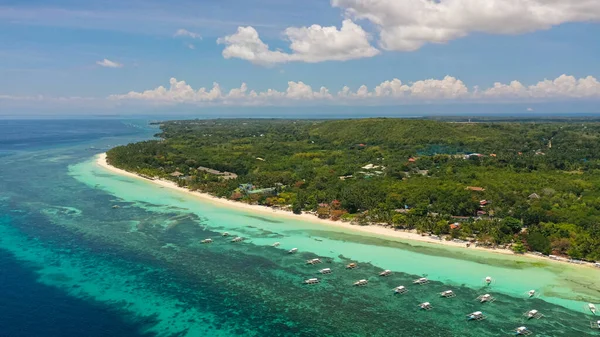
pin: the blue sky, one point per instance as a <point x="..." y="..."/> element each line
<point x="52" y="53"/>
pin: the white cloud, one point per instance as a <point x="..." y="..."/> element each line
<point x="186" y="33"/>
<point x="406" y="25"/>
<point x="109" y="64"/>
<point x="191" y="46"/>
<point x="447" y="89"/>
<point x="308" y="44"/>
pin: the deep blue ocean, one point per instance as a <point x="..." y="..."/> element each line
<point x="28" y="307"/>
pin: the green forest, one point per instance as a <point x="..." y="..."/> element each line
<point x="531" y="186"/>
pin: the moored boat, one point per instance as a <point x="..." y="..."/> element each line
<point x="325" y="271"/>
<point x="386" y="272"/>
<point x="207" y="241"/>
<point x="311" y="281"/>
<point x="361" y="283"/>
<point x="292" y="251"/>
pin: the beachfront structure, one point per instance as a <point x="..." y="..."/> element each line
<point x="425" y="306"/>
<point x="421" y="281"/>
<point x="361" y="283"/>
<point x="207" y="241"/>
<point x="237" y="239"/>
<point x="448" y="294"/>
<point x="400" y="290"/>
<point x="476" y="316"/>
<point x="486" y="298"/>
<point x="224" y="175"/>
<point x="351" y="266"/>
<point x="313" y="261"/>
<point x="311" y="281"/>
<point x="325" y="271"/>
<point x="386" y="272"/>
<point x="533" y="314"/>
<point x="292" y="251"/>
<point x="522" y="331"/>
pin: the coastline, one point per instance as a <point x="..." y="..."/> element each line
<point x="372" y="230"/>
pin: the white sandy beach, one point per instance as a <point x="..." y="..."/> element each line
<point x="378" y="231"/>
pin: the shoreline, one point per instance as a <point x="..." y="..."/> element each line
<point x="373" y="230"/>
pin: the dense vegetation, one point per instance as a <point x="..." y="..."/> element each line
<point x="534" y="185"/>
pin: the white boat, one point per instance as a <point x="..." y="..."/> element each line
<point x="237" y="239"/>
<point x="292" y="251"/>
<point x="225" y="234"/>
<point x="311" y="281"/>
<point x="531" y="293"/>
<point x="592" y="308"/>
<point x="325" y="271"/>
<point x="448" y="294"/>
<point x="386" y="272"/>
<point x="400" y="290"/>
<point x="488" y="280"/>
<point x="476" y="316"/>
<point x="522" y="331"/>
<point x="595" y="325"/>
<point x="361" y="283"/>
<point x="313" y="261"/>
<point x="351" y="266"/>
<point x="425" y="306"/>
<point x="486" y="298"/>
<point x="533" y="314"/>
<point x="422" y="280"/>
<point x="207" y="241"/>
<point x="276" y="244"/>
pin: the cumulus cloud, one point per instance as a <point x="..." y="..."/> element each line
<point x="447" y="89"/>
<point x="186" y="33"/>
<point x="109" y="64"/>
<point x="307" y="44"/>
<point x="406" y="25"/>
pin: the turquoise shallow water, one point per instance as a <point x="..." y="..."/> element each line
<point x="144" y="260"/>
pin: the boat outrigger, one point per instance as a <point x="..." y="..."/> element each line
<point x="448" y="294"/>
<point x="476" y="316"/>
<point x="311" y="281"/>
<point x="522" y="331"/>
<point x="313" y="261"/>
<point x="207" y="241"/>
<point x="276" y="244"/>
<point x="425" y="306"/>
<point x="225" y="234"/>
<point x="592" y="308"/>
<point x="486" y="298"/>
<point x="237" y="239"/>
<point x="386" y="272"/>
<point x="400" y="290"/>
<point x="595" y="325"/>
<point x="421" y="281"/>
<point x="533" y="314"/>
<point x="361" y="283"/>
<point x="325" y="271"/>
<point x="292" y="251"/>
<point x="351" y="266"/>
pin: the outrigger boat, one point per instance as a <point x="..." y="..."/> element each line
<point x="276" y="244"/>
<point x="425" y="306"/>
<point x="386" y="272"/>
<point x="592" y="308"/>
<point x="292" y="251"/>
<point x="325" y="271"/>
<point x="486" y="298"/>
<point x="595" y="325"/>
<point x="225" y="234"/>
<point x="448" y="294"/>
<point x="207" y="241"/>
<point x="400" y="290"/>
<point x="421" y="281"/>
<point x="311" y="281"/>
<point x="351" y="266"/>
<point x="237" y="239"/>
<point x="522" y="331"/>
<point x="488" y="280"/>
<point x="476" y="316"/>
<point x="533" y="314"/>
<point x="531" y="293"/>
<point x="313" y="261"/>
<point x="361" y="283"/>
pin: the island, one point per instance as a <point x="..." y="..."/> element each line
<point x="527" y="186"/>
